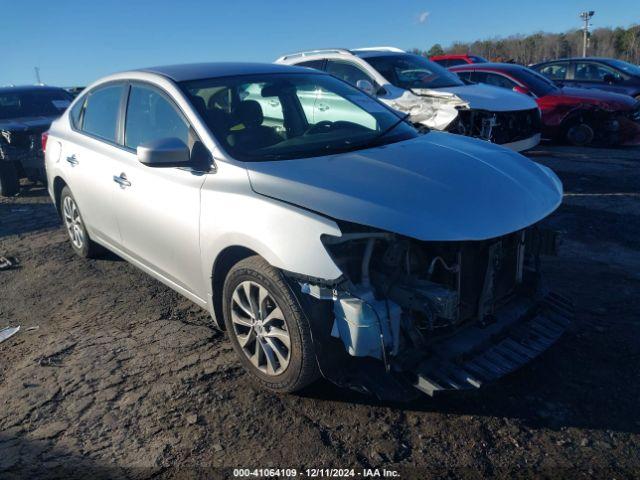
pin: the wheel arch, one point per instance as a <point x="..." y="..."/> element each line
<point x="58" y="185"/>
<point x="223" y="262"/>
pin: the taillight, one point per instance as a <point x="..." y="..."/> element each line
<point x="44" y="138"/>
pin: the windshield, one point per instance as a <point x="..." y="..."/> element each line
<point x="626" y="67"/>
<point x="287" y="116"/>
<point x="33" y="103"/>
<point x="536" y="82"/>
<point x="413" y="71"/>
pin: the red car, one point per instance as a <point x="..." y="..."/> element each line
<point x="452" y="60"/>
<point x="578" y="115"/>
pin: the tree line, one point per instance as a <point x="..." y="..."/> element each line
<point x="622" y="43"/>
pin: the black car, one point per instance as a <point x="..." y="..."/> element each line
<point x="25" y="113"/>
<point x="592" y="72"/>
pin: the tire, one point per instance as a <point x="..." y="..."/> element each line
<point x="9" y="181"/>
<point x="74" y="224"/>
<point x="580" y="134"/>
<point x="257" y="329"/>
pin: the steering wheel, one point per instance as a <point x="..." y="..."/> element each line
<point x="321" y="127"/>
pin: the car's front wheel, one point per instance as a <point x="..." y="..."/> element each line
<point x="74" y="224"/>
<point x="267" y="327"/>
<point x="580" y="134"/>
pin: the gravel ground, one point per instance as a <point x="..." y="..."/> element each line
<point x="124" y="378"/>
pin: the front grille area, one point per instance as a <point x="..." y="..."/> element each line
<point x="497" y="127"/>
<point x="475" y="259"/>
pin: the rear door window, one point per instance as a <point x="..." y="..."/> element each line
<point x="465" y="76"/>
<point x="101" y="112"/>
<point x="347" y="72"/>
<point x="498" y="81"/>
<point x="593" y="72"/>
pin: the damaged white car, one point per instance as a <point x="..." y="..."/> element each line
<point x="434" y="97"/>
<point x="356" y="248"/>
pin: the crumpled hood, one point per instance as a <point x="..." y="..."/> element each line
<point x="487" y="97"/>
<point x="606" y="100"/>
<point x="438" y="186"/>
<point x="25" y="123"/>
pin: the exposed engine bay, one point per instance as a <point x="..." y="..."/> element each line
<point x="439" y="315"/>
<point x="497" y="127"/>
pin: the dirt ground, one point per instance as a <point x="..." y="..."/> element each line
<point x="124" y="378"/>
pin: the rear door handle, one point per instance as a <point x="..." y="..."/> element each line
<point x="71" y="160"/>
<point x="122" y="180"/>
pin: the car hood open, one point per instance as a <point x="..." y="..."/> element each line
<point x="493" y="99"/>
<point x="436" y="187"/>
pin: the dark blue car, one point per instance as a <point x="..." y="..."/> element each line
<point x="591" y="72"/>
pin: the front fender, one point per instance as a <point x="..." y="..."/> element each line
<point x="286" y="236"/>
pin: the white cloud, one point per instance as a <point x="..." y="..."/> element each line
<point x="422" y="18"/>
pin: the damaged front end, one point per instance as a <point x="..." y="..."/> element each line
<point x="410" y="316"/>
<point x="432" y="109"/>
<point x="429" y="109"/>
<point x="593" y="124"/>
<point x="24" y="149"/>
<point x="497" y="127"/>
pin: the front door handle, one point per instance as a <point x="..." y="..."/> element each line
<point x="122" y="180"/>
<point x="71" y="160"/>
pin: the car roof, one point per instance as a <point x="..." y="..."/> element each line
<point x="453" y="55"/>
<point x="577" y="59"/>
<point x="198" y="71"/>
<point x="29" y="88"/>
<point x="505" y="67"/>
<point x="377" y="53"/>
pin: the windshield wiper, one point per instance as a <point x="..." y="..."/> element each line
<point x="389" y="129"/>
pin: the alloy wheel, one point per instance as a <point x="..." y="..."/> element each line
<point x="260" y="328"/>
<point x="73" y="222"/>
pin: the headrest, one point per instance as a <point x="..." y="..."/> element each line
<point x="249" y="113"/>
<point x="198" y="104"/>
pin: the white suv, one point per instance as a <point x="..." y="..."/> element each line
<point x="433" y="96"/>
<point x="355" y="248"/>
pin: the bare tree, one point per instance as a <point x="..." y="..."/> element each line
<point x="623" y="43"/>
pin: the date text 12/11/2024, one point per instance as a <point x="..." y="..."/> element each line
<point x="315" y="473"/>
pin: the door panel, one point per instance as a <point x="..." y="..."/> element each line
<point x="158" y="208"/>
<point x="88" y="166"/>
<point x="159" y="218"/>
<point x="87" y="158"/>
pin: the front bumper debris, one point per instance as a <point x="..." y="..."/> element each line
<point x="478" y="355"/>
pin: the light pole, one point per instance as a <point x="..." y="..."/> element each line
<point x="585" y="16"/>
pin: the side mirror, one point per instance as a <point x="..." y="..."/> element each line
<point x="164" y="152"/>
<point x="523" y="90"/>
<point x="608" y="78"/>
<point x="366" y="86"/>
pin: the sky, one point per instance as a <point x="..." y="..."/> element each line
<point x="75" y="42"/>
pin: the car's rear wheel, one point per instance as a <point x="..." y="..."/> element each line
<point x="9" y="181"/>
<point x="74" y="224"/>
<point x="267" y="327"/>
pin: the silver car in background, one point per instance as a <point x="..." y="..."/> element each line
<point x="434" y="97"/>
<point x="354" y="247"/>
